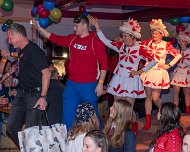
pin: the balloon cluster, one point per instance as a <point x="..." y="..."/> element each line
<point x="82" y="10"/>
<point x="7" y="5"/>
<point x="7" y="23"/>
<point x="181" y="24"/>
<point x="46" y="13"/>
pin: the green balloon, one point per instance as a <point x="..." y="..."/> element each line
<point x="9" y="22"/>
<point x="56" y="13"/>
<point x="7" y="5"/>
<point x="54" y="20"/>
<point x="174" y="21"/>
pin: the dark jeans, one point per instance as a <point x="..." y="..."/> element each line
<point x="22" y="112"/>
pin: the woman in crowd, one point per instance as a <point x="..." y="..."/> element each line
<point x="186" y="141"/>
<point x="157" y="77"/>
<point x="181" y="75"/>
<point x="126" y="83"/>
<point x="86" y="121"/>
<point x="95" y="141"/>
<point x="117" y="129"/>
<point x="169" y="133"/>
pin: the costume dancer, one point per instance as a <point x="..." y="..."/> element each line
<point x="126" y="83"/>
<point x="157" y="77"/>
<point x="181" y="75"/>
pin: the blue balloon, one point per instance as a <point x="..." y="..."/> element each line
<point x="185" y="19"/>
<point x="4" y="27"/>
<point x="34" y="11"/>
<point x="44" y="22"/>
<point x="49" y="5"/>
<point x="85" y="13"/>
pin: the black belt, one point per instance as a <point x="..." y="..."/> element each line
<point x="30" y="90"/>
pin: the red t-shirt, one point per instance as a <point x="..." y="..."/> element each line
<point x="85" y="53"/>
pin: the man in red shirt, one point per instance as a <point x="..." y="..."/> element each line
<point x="86" y="53"/>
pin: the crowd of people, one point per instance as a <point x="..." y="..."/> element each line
<point x="32" y="86"/>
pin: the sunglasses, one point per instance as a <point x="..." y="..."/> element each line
<point x="79" y="19"/>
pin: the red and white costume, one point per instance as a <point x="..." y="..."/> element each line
<point x="123" y="83"/>
<point x="156" y="77"/>
<point x="181" y="75"/>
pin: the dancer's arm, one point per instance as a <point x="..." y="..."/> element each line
<point x="145" y="56"/>
<point x="174" y="52"/>
<point x="111" y="44"/>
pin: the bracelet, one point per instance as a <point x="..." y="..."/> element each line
<point x="4" y="60"/>
<point x="100" y="81"/>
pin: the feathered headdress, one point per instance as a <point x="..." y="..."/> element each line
<point x="157" y="25"/>
<point x="131" y="27"/>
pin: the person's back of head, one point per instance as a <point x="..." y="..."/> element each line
<point x="86" y="120"/>
<point x="168" y="117"/>
<point x="96" y="141"/>
<point x="119" y="122"/>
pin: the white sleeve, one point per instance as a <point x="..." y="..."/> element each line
<point x="111" y="44"/>
<point x="176" y="59"/>
<point x="149" y="65"/>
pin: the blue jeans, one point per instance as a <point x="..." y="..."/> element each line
<point x="74" y="94"/>
<point x="22" y="112"/>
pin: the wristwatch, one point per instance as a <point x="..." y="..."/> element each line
<point x="44" y="97"/>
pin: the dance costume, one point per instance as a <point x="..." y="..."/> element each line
<point x="181" y="75"/>
<point x="156" y="77"/>
<point x="123" y="82"/>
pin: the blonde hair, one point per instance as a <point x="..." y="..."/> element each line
<point x="85" y="127"/>
<point x="121" y="121"/>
